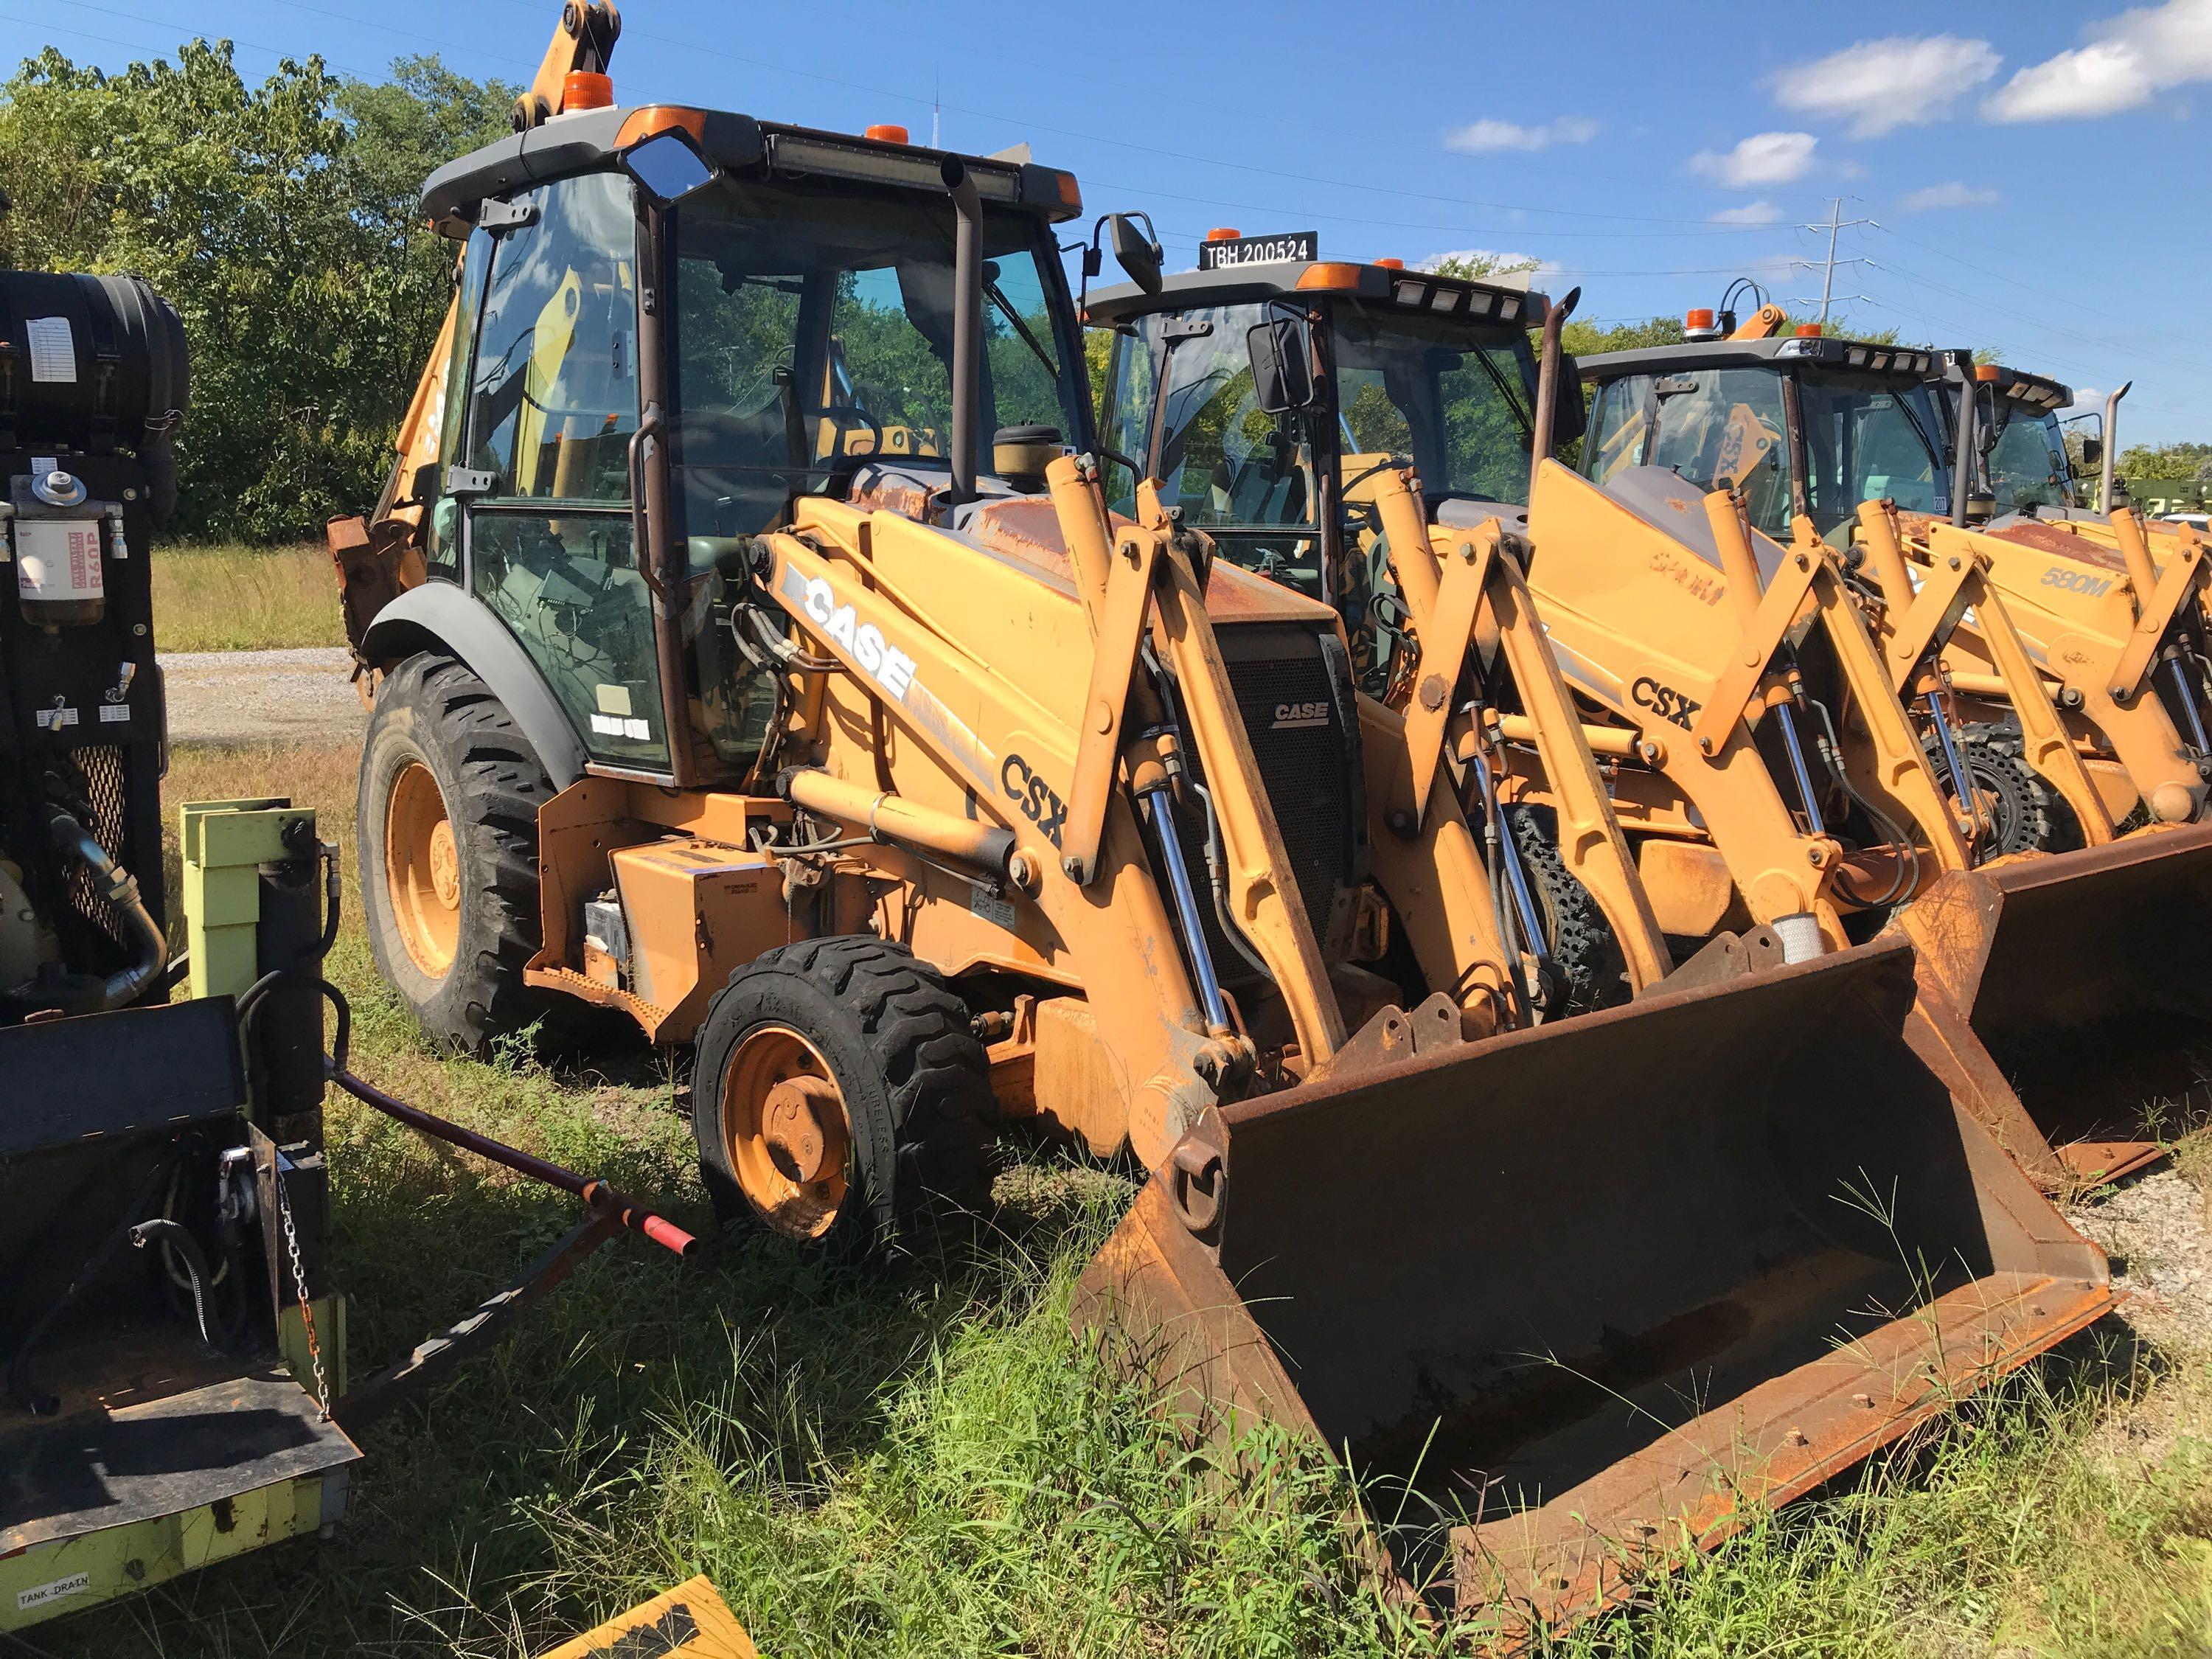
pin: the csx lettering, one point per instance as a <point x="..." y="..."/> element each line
<point x="1039" y="804"/>
<point x="2077" y="582"/>
<point x="881" y="660"/>
<point x="1664" y="701"/>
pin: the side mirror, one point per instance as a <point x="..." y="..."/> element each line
<point x="1569" y="413"/>
<point x="1282" y="366"/>
<point x="2093" y="451"/>
<point x="1135" y="252"/>
<point x="666" y="166"/>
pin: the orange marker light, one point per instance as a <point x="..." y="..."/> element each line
<point x="1329" y="274"/>
<point x="1391" y="265"/>
<point x="1223" y="233"/>
<point x="886" y="133"/>
<point x="1808" y="331"/>
<point x="1988" y="372"/>
<point x="583" y="89"/>
<point x="1700" y="319"/>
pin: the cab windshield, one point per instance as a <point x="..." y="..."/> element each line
<point x="812" y="331"/>
<point x="1456" y="399"/>
<point x="1714" y="427"/>
<point x="2027" y="461"/>
<point x="1871" y="438"/>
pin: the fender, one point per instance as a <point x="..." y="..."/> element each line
<point x="439" y="616"/>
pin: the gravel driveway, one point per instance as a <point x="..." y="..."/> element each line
<point x="264" y="697"/>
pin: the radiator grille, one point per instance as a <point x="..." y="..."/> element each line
<point x="103" y="773"/>
<point x="1292" y="686"/>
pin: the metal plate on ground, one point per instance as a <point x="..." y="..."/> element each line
<point x="687" y="1622"/>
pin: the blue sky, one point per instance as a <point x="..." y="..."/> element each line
<point x="1648" y="153"/>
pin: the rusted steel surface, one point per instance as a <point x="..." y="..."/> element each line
<point x="2048" y="538"/>
<point x="2086" y="978"/>
<point x="1570" y="1281"/>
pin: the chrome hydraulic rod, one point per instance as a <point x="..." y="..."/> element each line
<point x="1161" y="810"/>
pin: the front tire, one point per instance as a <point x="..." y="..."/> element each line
<point x="448" y="838"/>
<point x="1582" y="943"/>
<point x="2027" y="814"/>
<point x="840" y="1089"/>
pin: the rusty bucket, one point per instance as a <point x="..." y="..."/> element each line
<point x="1591" y="1288"/>
<point x="2084" y="980"/>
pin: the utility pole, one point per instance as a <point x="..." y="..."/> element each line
<point x="936" y="107"/>
<point x="1836" y="223"/>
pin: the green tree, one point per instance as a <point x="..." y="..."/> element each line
<point x="273" y="218"/>
<point x="2183" y="460"/>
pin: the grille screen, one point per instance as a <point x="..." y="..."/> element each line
<point x="1293" y="688"/>
<point x="102" y="771"/>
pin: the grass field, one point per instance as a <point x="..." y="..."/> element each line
<point x="244" y="599"/>
<point x="923" y="1461"/>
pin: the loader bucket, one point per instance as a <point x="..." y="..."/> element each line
<point x="2086" y="978"/>
<point x="1593" y="1287"/>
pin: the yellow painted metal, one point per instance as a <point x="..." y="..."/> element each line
<point x="688" y="1622"/>
<point x="65" y="1576"/>
<point x="222" y="842"/>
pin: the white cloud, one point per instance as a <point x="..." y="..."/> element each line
<point x="1952" y="195"/>
<point x="1483" y="136"/>
<point x="1882" y="85"/>
<point x="1764" y="158"/>
<point x="1751" y="213"/>
<point x="2127" y="61"/>
<point x="2086" y="397"/>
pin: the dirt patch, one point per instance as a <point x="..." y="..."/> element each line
<point x="2154" y="1228"/>
<point x="304" y="695"/>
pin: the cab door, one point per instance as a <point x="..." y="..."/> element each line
<point x="546" y="491"/>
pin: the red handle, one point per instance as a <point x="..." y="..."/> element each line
<point x="667" y="1233"/>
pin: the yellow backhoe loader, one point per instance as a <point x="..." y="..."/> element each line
<point x="754" y="652"/>
<point x="1819" y="814"/>
<point x="2056" y="704"/>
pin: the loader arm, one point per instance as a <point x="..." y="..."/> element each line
<point x="1454" y="585"/>
<point x="1901" y="778"/>
<point x="1916" y="629"/>
<point x="997" y="740"/>
<point x="2073" y="608"/>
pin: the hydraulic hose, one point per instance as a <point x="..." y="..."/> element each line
<point x="20" y="1388"/>
<point x="176" y="1236"/>
<point x="116" y="885"/>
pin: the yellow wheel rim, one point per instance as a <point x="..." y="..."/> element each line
<point x="786" y="1132"/>
<point x="423" y="870"/>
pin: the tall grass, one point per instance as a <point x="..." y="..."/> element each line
<point x="925" y="1460"/>
<point x="244" y="599"/>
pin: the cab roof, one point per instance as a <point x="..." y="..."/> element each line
<point x="589" y="139"/>
<point x="1827" y="350"/>
<point x="2013" y="385"/>
<point x="1308" y="279"/>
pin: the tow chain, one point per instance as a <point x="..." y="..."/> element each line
<point x="299" y="1287"/>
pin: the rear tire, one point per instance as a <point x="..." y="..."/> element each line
<point x="2029" y="815"/>
<point x="1583" y="943"/>
<point x="898" y="1111"/>
<point x="448" y="834"/>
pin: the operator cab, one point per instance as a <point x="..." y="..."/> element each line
<point x="673" y="324"/>
<point x="1806" y="424"/>
<point x="2027" y="468"/>
<point x="1290" y="384"/>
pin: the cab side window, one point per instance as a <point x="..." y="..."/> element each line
<point x="556" y="395"/>
<point x="551" y="409"/>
